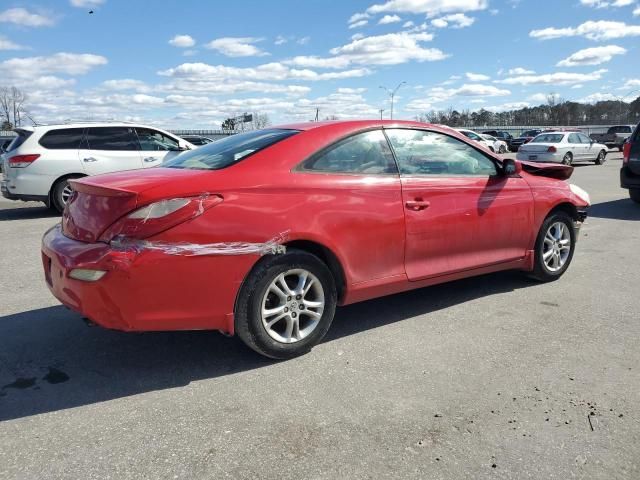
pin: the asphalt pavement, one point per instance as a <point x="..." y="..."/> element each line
<point x="489" y="377"/>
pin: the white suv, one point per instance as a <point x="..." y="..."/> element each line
<point x="41" y="159"/>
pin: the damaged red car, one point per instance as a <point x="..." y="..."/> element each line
<point x="264" y="233"/>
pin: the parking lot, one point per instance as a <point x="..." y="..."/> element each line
<point x="489" y="377"/>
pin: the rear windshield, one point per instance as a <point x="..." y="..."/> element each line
<point x="548" y="138"/>
<point x="19" y="140"/>
<point x="531" y="133"/>
<point x="620" y="129"/>
<point x="230" y="150"/>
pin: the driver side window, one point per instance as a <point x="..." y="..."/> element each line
<point x="154" y="141"/>
<point x="366" y="153"/>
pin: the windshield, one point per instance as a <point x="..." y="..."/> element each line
<point x="19" y="140"/>
<point x="226" y="152"/>
<point x="531" y="133"/>
<point x="548" y="138"/>
<point x="620" y="129"/>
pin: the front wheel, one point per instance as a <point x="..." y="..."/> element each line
<point x="503" y="149"/>
<point x="554" y="247"/>
<point x="634" y="194"/>
<point x="286" y="305"/>
<point x="600" y="159"/>
<point x="567" y="159"/>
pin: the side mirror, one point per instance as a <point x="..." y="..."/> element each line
<point x="511" y="167"/>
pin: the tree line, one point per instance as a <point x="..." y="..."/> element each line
<point x="555" y="112"/>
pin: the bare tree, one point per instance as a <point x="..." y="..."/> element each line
<point x="12" y="106"/>
<point x="260" y="120"/>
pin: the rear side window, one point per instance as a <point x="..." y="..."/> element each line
<point x="230" y="150"/>
<point x="620" y="129"/>
<point x="366" y="153"/>
<point x="548" y="138"/>
<point x="19" y="140"/>
<point x="574" y="138"/>
<point x="152" y="140"/>
<point x="111" y="138"/>
<point x="62" y="139"/>
<point x="421" y="152"/>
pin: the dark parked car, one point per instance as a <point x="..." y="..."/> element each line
<point x="630" y="171"/>
<point x="526" y="137"/>
<point x="615" y="137"/>
<point x="196" y="139"/>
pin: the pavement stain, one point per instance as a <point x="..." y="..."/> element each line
<point x="55" y="376"/>
<point x="21" y="383"/>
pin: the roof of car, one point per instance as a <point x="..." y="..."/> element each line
<point x="85" y="125"/>
<point x="355" y="124"/>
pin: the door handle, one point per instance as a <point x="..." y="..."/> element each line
<point x="417" y="204"/>
<point x="151" y="159"/>
<point x="90" y="159"/>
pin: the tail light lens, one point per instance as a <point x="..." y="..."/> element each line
<point x="21" y="161"/>
<point x="552" y="149"/>
<point x="159" y="216"/>
<point x="626" y="152"/>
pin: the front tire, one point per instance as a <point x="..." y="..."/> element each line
<point x="601" y="158"/>
<point x="634" y="194"/>
<point x="286" y="305"/>
<point x="567" y="159"/>
<point x="554" y="248"/>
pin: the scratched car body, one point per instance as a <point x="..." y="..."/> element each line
<point x="263" y="234"/>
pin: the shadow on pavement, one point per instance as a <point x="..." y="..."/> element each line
<point x="623" y="209"/>
<point x="27" y="213"/>
<point x="50" y="360"/>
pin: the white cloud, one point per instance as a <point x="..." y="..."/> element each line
<point x="60" y="63"/>
<point x="182" y="41"/>
<point x="558" y="78"/>
<point x="507" y="106"/>
<point x="477" y="77"/>
<point x="578" y="85"/>
<point x="605" y="3"/>
<point x="598" y="97"/>
<point x="428" y="7"/>
<point x="593" y="30"/>
<point x="21" y="16"/>
<point x="280" y="40"/>
<point x="389" y="19"/>
<point x="390" y="49"/>
<point x="86" y="3"/>
<point x="6" y="44"/>
<point x="632" y="83"/>
<point x="408" y="24"/>
<point x="456" y="20"/>
<point x="356" y="17"/>
<point x="358" y="24"/>
<point x="319" y="62"/>
<point x="636" y="12"/>
<point x="520" y="71"/>
<point x="237" y="46"/>
<point x="592" y="56"/>
<point x="440" y="94"/>
<point x="126" y="84"/>
<point x="303" y="40"/>
<point x="540" y="98"/>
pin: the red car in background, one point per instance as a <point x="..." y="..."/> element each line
<point x="264" y="233"/>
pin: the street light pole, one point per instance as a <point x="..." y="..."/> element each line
<point x="381" y="110"/>
<point x="392" y="94"/>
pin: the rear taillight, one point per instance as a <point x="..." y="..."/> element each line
<point x="21" y="161"/>
<point x="626" y="152"/>
<point x="159" y="216"/>
<point x="552" y="149"/>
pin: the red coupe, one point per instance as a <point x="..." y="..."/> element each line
<point x="264" y="233"/>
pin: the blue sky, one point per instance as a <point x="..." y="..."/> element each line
<point x="193" y="63"/>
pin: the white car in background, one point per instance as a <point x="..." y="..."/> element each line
<point x="41" y="160"/>
<point x="476" y="137"/>
<point x="563" y="147"/>
<point x="499" y="146"/>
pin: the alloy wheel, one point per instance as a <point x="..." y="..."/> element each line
<point x="556" y="246"/>
<point x="292" y="306"/>
<point x="67" y="191"/>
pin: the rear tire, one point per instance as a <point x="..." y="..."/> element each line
<point x="554" y="248"/>
<point x="60" y="193"/>
<point x="286" y="305"/>
<point x="601" y="158"/>
<point x="567" y="159"/>
<point x="634" y="194"/>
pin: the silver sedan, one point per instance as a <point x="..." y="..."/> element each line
<point x="563" y="147"/>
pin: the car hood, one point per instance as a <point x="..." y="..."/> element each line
<point x="549" y="170"/>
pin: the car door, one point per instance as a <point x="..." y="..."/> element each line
<point x="156" y="147"/>
<point x="576" y="147"/>
<point x="110" y="149"/>
<point x="461" y="213"/>
<point x="590" y="151"/>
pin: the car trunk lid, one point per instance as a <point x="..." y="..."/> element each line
<point x="98" y="202"/>
<point x="550" y="170"/>
<point x="536" y="147"/>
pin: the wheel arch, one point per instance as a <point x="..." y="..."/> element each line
<point x="58" y="180"/>
<point x="567" y="207"/>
